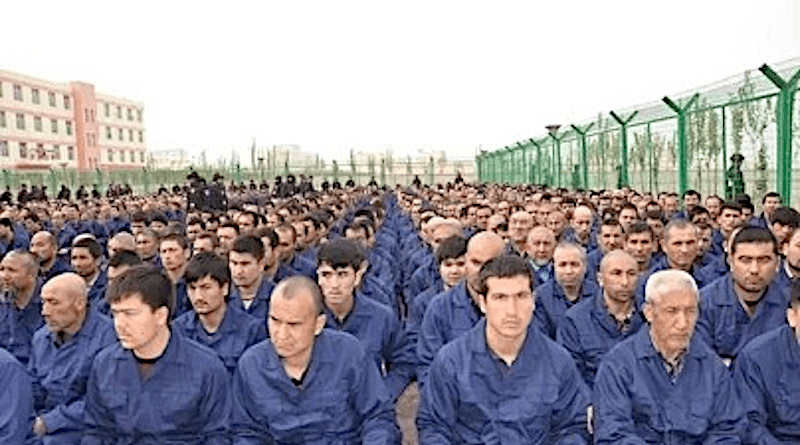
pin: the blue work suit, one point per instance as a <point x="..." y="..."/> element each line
<point x="182" y="302"/>
<point x="552" y="304"/>
<point x="296" y="265"/>
<point x="97" y="293"/>
<point x="259" y="308"/>
<point x="185" y="400"/>
<point x="589" y="331"/>
<point x="417" y="307"/>
<point x="16" y="400"/>
<point x="766" y="373"/>
<point x="60" y="371"/>
<point x="473" y="397"/>
<point x="384" y="340"/>
<point x="339" y="401"/>
<point x="424" y="276"/>
<point x="237" y="332"/>
<point x="636" y="401"/>
<point x="60" y="266"/>
<point x="541" y="274"/>
<point x="17" y="326"/>
<point x="725" y="326"/>
<point x="593" y="260"/>
<point x="716" y="269"/>
<point x="449" y="315"/>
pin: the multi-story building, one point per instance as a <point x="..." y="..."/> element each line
<point x="47" y="125"/>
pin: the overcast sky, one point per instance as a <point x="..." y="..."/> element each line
<point x="376" y="75"/>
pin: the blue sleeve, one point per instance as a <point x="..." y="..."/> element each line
<point x="16" y="404"/>
<point x="247" y="428"/>
<point x="613" y="411"/>
<point x="215" y="406"/>
<point x="569" y="337"/>
<point x="430" y="340"/>
<point x="371" y="402"/>
<point x="400" y="354"/>
<point x="749" y="382"/>
<point x="570" y="408"/>
<point x="438" y="405"/>
<point x="728" y="423"/>
<point x="99" y="425"/>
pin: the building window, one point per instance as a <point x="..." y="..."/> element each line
<point x="86" y="116"/>
<point x="130" y="114"/>
<point x="71" y="153"/>
<point x="1" y="89"/>
<point x="56" y="152"/>
<point x="139" y="115"/>
<point x="120" y="135"/>
<point x="141" y="136"/>
<point x="40" y="153"/>
<point x="141" y="157"/>
<point x="18" y="92"/>
<point x="23" y="150"/>
<point x="2" y="119"/>
<point x="110" y="155"/>
<point x="53" y="126"/>
<point x="130" y="135"/>
<point x="20" y="121"/>
<point x="119" y="112"/>
<point x="66" y="102"/>
<point x="68" y="127"/>
<point x="4" y="148"/>
<point x="108" y="132"/>
<point x="35" y="95"/>
<point x="107" y="109"/>
<point x="37" y="123"/>
<point x="51" y="98"/>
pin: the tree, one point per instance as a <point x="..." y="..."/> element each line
<point x="758" y="115"/>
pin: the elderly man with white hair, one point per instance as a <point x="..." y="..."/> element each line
<point x="664" y="384"/>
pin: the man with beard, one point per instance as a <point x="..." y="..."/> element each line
<point x="21" y="307"/>
<point x="226" y="329"/>
<point x="45" y="246"/>
<point x="86" y="257"/>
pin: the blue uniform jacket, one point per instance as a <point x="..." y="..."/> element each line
<point x="97" y="293"/>
<point x="60" y="266"/>
<point x="16" y="400"/>
<point x="716" y="269"/>
<point x="589" y="331"/>
<point x="383" y="338"/>
<point x="339" y="402"/>
<point x="552" y="304"/>
<point x="297" y="265"/>
<point x="186" y="400"/>
<point x="260" y="306"/>
<point x="726" y="327"/>
<point x="637" y="402"/>
<point x="60" y="374"/>
<point x="17" y="326"/>
<point x="449" y="315"/>
<point x="766" y="373"/>
<point x="472" y="397"/>
<point x="237" y="332"/>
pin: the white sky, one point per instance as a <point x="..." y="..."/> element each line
<point x="374" y="75"/>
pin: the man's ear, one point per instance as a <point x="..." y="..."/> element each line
<point x="362" y="269"/>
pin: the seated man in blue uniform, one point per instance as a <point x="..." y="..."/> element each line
<point x="61" y="358"/>
<point x="20" y="306"/>
<point x="307" y="384"/>
<point x="86" y="258"/>
<point x="16" y="400"/>
<point x="374" y="324"/>
<point x="746" y="302"/>
<point x="503" y="381"/>
<point x="456" y="311"/>
<point x="594" y="326"/>
<point x="247" y="259"/>
<point x="45" y="246"/>
<point x="155" y="386"/>
<point x="766" y="375"/>
<point x="212" y="322"/>
<point x="664" y="384"/>
<point x="568" y="287"/>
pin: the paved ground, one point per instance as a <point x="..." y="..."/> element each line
<point x="406" y="409"/>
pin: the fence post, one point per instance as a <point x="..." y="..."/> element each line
<point x="783" y="158"/>
<point x="584" y="157"/>
<point x="683" y="161"/>
<point x="623" y="147"/>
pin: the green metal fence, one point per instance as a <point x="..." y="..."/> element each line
<point x="683" y="141"/>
